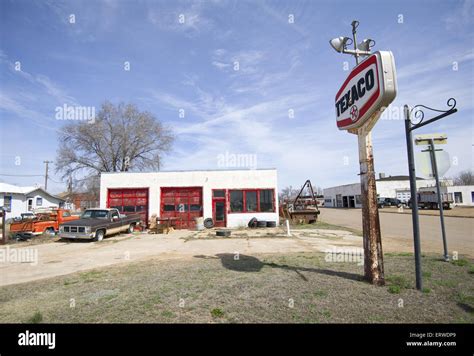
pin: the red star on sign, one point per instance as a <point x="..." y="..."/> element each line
<point x="354" y="113"/>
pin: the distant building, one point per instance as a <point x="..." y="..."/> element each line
<point x="348" y="196"/>
<point x="79" y="201"/>
<point x="16" y="200"/>
<point x="463" y="195"/>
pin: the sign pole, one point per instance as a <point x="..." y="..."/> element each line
<point x="373" y="256"/>
<point x="434" y="166"/>
<point x="414" y="199"/>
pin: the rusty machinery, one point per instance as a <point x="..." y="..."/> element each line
<point x="303" y="209"/>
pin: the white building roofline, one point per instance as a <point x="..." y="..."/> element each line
<point x="196" y="170"/>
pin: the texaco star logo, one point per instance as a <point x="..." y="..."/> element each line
<point x="354" y="113"/>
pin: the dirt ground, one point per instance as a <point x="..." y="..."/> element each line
<point x="60" y="258"/>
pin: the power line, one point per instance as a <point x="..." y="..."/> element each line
<point x="22" y="175"/>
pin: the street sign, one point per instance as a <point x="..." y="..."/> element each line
<point x="424" y="164"/>
<point x="438" y="139"/>
<point x="367" y="91"/>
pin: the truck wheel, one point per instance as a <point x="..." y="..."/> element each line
<point x="49" y="231"/>
<point x="99" y="235"/>
<point x="131" y="228"/>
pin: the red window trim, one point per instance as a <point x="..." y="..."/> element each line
<point x="244" y="202"/>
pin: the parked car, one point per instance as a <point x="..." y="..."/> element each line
<point x="44" y="221"/>
<point x="383" y="202"/>
<point x="95" y="224"/>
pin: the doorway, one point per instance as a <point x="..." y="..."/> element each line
<point x="219" y="212"/>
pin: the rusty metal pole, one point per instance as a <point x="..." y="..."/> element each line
<point x="373" y="256"/>
<point x="4" y="228"/>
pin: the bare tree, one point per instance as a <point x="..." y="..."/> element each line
<point x="464" y="178"/>
<point x="120" y="138"/>
<point x="287" y="193"/>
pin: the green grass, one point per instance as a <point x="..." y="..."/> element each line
<point x="326" y="226"/>
<point x="398" y="254"/>
<point x="36" y="318"/>
<point x="394" y="289"/>
<point x="397" y="280"/>
<point x="253" y="289"/>
<point x="217" y="313"/>
<point x="460" y="262"/>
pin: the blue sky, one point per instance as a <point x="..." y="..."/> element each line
<point x="282" y="66"/>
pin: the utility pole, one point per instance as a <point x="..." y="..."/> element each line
<point x="46" y="174"/>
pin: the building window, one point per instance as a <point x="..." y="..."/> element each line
<point x="236" y="201"/>
<point x="458" y="197"/>
<point x="266" y="200"/>
<point x="39" y="201"/>
<point x="128" y="209"/>
<point x="358" y="202"/>
<point x="7" y="203"/>
<point x="168" y="207"/>
<point x="250" y="201"/>
<point x="220" y="193"/>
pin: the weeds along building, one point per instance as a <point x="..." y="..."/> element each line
<point x="230" y="197"/>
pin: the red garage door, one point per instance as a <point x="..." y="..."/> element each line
<point x="183" y="203"/>
<point x="129" y="201"/>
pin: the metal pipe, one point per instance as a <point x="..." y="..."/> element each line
<point x="354" y="30"/>
<point x="414" y="199"/>
<point x="4" y="228"/>
<point x="434" y="166"/>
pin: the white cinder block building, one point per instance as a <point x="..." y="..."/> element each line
<point x="348" y="196"/>
<point x="463" y="195"/>
<point x="17" y="200"/>
<point x="230" y="197"/>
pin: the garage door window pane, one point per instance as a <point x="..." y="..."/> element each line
<point x="251" y="201"/>
<point x="181" y="208"/>
<point x="266" y="200"/>
<point x="195" y="207"/>
<point x="128" y="209"/>
<point x="236" y="201"/>
<point x="168" y="207"/>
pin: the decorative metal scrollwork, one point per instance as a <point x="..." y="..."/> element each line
<point x="419" y="114"/>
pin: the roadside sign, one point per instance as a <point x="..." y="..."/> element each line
<point x="423" y="163"/>
<point x="438" y="139"/>
<point x="367" y="91"/>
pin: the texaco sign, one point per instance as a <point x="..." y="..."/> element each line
<point x="367" y="91"/>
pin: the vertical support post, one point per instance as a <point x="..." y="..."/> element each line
<point x="434" y="166"/>
<point x="373" y="256"/>
<point x="414" y="199"/>
<point x="4" y="228"/>
<point x="354" y="38"/>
